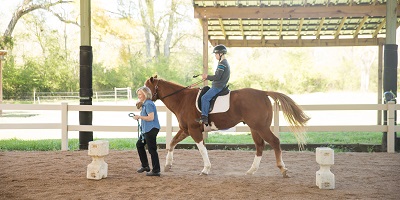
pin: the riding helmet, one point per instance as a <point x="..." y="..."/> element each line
<point x="220" y="49"/>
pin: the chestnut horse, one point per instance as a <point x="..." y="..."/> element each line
<point x="250" y="106"/>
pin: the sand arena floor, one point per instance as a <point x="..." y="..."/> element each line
<point x="62" y="175"/>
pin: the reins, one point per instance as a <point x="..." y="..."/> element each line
<point x="175" y="92"/>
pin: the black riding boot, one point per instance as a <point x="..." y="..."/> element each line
<point x="203" y="120"/>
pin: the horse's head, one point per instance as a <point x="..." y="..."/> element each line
<point x="152" y="83"/>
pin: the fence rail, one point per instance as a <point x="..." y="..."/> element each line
<point x="65" y="127"/>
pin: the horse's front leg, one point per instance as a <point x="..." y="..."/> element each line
<point x="260" y="144"/>
<point x="206" y="160"/>
<point x="181" y="135"/>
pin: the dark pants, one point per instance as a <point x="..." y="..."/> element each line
<point x="151" y="141"/>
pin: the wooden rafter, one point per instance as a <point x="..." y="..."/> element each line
<point x="321" y="23"/>
<point x="221" y="24"/>
<point x="300" y="28"/>
<point x="379" y="28"/>
<point x="360" y="26"/>
<point x="339" y="28"/>
<point x="241" y="27"/>
<point x="280" y="28"/>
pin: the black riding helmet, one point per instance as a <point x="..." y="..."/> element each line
<point x="220" y="49"/>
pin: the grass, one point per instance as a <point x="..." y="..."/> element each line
<point x="130" y="143"/>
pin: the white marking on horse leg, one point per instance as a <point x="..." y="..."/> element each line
<point x="168" y="160"/>
<point x="254" y="167"/>
<point x="206" y="160"/>
<point x="282" y="168"/>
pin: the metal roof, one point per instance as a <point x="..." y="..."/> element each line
<point x="293" y="23"/>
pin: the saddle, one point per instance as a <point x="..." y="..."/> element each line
<point x="223" y="92"/>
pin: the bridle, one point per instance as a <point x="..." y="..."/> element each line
<point x="155" y="94"/>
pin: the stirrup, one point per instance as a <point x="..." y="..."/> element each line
<point x="202" y="120"/>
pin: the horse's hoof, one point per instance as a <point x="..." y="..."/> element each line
<point x="285" y="175"/>
<point x="203" y="173"/>
<point x="167" y="168"/>
<point x="251" y="171"/>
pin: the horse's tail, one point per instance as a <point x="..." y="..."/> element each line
<point x="293" y="114"/>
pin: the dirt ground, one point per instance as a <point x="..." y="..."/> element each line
<point x="62" y="175"/>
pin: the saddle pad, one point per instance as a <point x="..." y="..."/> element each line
<point x="221" y="103"/>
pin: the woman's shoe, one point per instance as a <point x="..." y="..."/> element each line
<point x="142" y="169"/>
<point x="153" y="173"/>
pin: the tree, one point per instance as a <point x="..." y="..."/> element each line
<point x="27" y="7"/>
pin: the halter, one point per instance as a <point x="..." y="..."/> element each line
<point x="161" y="98"/>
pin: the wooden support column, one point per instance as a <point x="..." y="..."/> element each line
<point x="380" y="81"/>
<point x="205" y="57"/>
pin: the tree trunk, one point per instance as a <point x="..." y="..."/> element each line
<point x="146" y="30"/>
<point x="171" y="20"/>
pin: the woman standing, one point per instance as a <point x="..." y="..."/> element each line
<point x="150" y="127"/>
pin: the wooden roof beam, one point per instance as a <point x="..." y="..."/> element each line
<point x="302" y="43"/>
<point x="300" y="28"/>
<point x="241" y="27"/>
<point x="280" y="29"/>
<point x="291" y="12"/>
<point x="321" y="24"/>
<point x="221" y="24"/>
<point x="360" y="26"/>
<point x="379" y="28"/>
<point x="340" y="28"/>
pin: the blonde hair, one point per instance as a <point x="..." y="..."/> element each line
<point x="146" y="91"/>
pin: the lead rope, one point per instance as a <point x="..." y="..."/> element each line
<point x="139" y="128"/>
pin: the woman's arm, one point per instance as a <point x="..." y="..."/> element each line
<point x="149" y="117"/>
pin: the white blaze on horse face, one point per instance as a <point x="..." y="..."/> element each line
<point x="254" y="167"/>
<point x="206" y="160"/>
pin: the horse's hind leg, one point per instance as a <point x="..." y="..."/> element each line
<point x="260" y="144"/>
<point x="181" y="135"/>
<point x="274" y="142"/>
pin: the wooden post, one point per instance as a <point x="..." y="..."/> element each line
<point x="205" y="57"/>
<point x="2" y="54"/>
<point x="380" y="82"/>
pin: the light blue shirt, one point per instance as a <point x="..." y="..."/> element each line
<point x="149" y="107"/>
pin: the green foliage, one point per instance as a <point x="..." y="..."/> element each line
<point x="6" y="42"/>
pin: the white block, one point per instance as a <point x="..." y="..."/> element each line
<point x="325" y="156"/>
<point x="325" y="179"/>
<point x="97" y="169"/>
<point x="98" y="148"/>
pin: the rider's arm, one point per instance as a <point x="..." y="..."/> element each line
<point x="218" y="73"/>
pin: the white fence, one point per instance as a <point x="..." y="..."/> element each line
<point x="277" y="127"/>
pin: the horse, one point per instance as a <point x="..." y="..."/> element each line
<point x="247" y="105"/>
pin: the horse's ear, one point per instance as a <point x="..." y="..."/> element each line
<point x="152" y="78"/>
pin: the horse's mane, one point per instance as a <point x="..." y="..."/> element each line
<point x="172" y="84"/>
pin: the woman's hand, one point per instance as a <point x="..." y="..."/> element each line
<point x="136" y="117"/>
